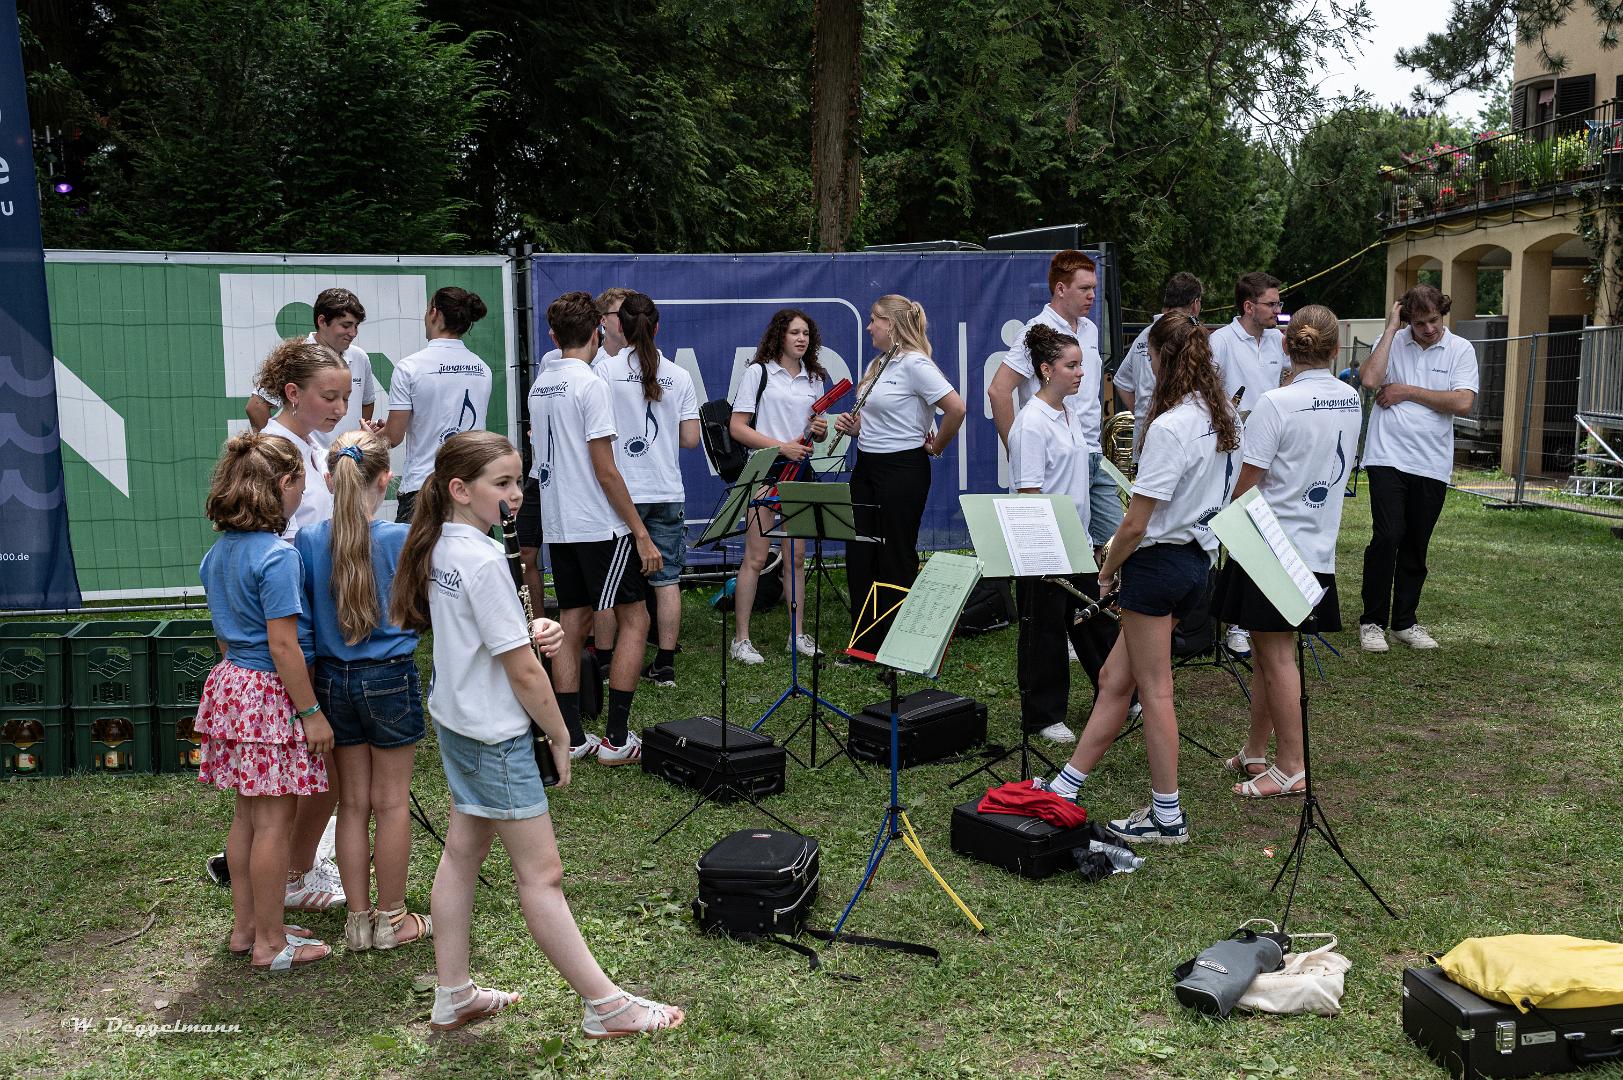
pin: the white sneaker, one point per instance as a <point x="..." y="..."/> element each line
<point x="1134" y="712"/>
<point x="1070" y="651"/>
<point x="804" y="644"/>
<point x="1059" y="733"/>
<point x="313" y="892"/>
<point x="629" y="754"/>
<point x="1416" y="637"/>
<point x="1372" y="638"/>
<point x="587" y="749"/>
<point x="745" y="653"/>
<point x="1238" y="641"/>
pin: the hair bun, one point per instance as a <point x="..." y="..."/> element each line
<point x="1305" y="336"/>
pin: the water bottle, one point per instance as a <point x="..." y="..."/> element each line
<point x="1122" y="859"/>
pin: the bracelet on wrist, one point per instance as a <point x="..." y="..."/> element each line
<point x="305" y="714"/>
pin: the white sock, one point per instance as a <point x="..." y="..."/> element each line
<point x="1165" y="807"/>
<point x="1067" y="783"/>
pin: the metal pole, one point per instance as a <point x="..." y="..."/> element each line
<point x="1527" y="421"/>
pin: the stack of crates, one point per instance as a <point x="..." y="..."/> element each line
<point x="184" y="655"/>
<point x="33" y="698"/>
<point x="110" y="667"/>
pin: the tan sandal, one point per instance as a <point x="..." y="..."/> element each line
<point x="656" y="1016"/>
<point x="386" y="927"/>
<point x="358" y="933"/>
<point x="481" y="1004"/>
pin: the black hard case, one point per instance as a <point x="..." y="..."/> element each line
<point x="757" y="882"/>
<point x="931" y="725"/>
<point x="1029" y="846"/>
<point x="688" y="752"/>
<point x="1471" y="1036"/>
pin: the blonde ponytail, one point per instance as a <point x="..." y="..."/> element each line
<point x="355" y="460"/>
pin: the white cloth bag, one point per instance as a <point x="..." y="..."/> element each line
<point x="1309" y="982"/>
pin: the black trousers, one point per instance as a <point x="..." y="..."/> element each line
<point x="1045" y="614"/>
<point x="888" y="492"/>
<point x="1405" y="508"/>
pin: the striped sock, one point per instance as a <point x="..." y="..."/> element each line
<point x="1067" y="783"/>
<point x="1165" y="807"/>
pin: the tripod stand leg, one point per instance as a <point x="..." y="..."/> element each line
<point x="881" y="844"/>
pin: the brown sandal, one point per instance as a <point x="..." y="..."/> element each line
<point x="386" y="927"/>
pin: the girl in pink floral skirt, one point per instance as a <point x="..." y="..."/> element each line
<point x="261" y="730"/>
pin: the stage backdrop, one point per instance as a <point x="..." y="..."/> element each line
<point x="713" y="309"/>
<point x="155" y="358"/>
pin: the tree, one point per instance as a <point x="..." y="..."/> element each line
<point x="1479" y="42"/>
<point x="836" y="120"/>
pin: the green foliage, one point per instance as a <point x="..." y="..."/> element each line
<point x="1476" y="48"/>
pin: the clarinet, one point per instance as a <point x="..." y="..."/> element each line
<point x="543" y="743"/>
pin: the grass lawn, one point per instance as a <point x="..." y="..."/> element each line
<point x="1477" y="787"/>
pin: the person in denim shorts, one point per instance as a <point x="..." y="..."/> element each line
<point x="1161" y="555"/>
<point x="366" y="680"/>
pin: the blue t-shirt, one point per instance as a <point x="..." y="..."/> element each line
<point x="387" y="642"/>
<point x="251" y="578"/>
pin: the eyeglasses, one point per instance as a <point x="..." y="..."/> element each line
<point x="1275" y="304"/>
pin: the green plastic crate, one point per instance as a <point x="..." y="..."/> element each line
<point x="110" y="663"/>
<point x="183" y="654"/>
<point x="178" y="745"/>
<point x="113" y="741"/>
<point x="33" y="743"/>
<point x="31" y="664"/>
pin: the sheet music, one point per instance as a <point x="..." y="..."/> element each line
<point x="928" y="616"/>
<point x="1262" y="515"/>
<point x="1032" y="534"/>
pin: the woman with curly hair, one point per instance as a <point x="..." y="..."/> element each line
<point x="1162" y="556"/>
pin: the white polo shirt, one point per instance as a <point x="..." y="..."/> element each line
<point x="786" y="400"/>
<point x="363" y="390"/>
<point x="1181" y="468"/>
<point x="477" y="617"/>
<point x="317" y="503"/>
<point x="1306" y="436"/>
<point x="900" y="410"/>
<point x="1085" y="402"/>
<point x="1242" y="360"/>
<point x="646" y="451"/>
<point x="1409" y="436"/>
<point x="446" y="388"/>
<point x="1136" y="377"/>
<point x="1047" y="452"/>
<point x="569" y="407"/>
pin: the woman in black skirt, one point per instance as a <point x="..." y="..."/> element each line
<point x="1299" y="444"/>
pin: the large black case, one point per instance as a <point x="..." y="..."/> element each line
<point x="688" y="752"/>
<point x="757" y="882"/>
<point x="1029" y="846"/>
<point x="1471" y="1036"/>
<point x="931" y="725"/>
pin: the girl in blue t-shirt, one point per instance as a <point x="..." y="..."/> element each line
<point x="261" y="729"/>
<point x="366" y="680"/>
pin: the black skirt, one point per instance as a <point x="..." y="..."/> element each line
<point x="1240" y="603"/>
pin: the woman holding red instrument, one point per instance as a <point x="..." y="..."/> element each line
<point x="771" y="406"/>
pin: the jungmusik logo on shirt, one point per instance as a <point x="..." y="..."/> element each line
<point x="447" y="581"/>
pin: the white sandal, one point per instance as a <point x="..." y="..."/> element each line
<point x="449" y="1014"/>
<point x="1241" y="764"/>
<point x="1286" y="784"/>
<point x="656" y="1016"/>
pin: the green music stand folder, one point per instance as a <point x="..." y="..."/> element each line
<point x="1269" y="561"/>
<point x="736" y="501"/>
<point x="815" y="510"/>
<point x="986" y="533"/>
<point x="923" y="626"/>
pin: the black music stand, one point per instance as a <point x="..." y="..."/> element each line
<point x="734" y="501"/>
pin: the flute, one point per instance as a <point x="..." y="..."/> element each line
<point x="515" y="563"/>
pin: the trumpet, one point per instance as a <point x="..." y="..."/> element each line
<point x="1105" y="605"/>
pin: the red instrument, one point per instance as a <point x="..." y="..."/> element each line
<point x="791" y="469"/>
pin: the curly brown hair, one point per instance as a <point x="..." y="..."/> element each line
<point x="1184" y="351"/>
<point x="245" y="492"/>
<point x="771" y="346"/>
<point x="295" y="361"/>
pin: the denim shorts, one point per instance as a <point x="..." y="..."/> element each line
<point x="1104" y="502"/>
<point x="372" y="702"/>
<point x="1165" y="579"/>
<point x="667" y="528"/>
<point x="492" y="780"/>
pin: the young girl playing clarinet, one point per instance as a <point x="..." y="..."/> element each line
<point x="1162" y="553"/>
<point x="488" y="686"/>
<point x="260" y="726"/>
<point x="366" y="680"/>
<point x="1298" y="444"/>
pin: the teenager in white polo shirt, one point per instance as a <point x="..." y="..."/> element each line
<point x="1424" y="376"/>
<point x="600" y="549"/>
<point x="437" y="391"/>
<point x="1134" y="382"/>
<point x="338" y="314"/>
<point x="771" y="405"/>
<point x="1300" y="443"/>
<point x="1048" y="454"/>
<point x="1072" y="282"/>
<point x="1163" y="554"/>
<point x="657" y="413"/>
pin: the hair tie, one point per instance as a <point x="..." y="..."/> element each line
<point x="351" y="452"/>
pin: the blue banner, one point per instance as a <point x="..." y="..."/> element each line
<point x="36" y="562"/>
<point x="713" y="309"/>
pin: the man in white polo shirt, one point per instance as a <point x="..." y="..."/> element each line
<point x="1072" y="282"/>
<point x="1424" y="376"/>
<point x="338" y="315"/>
<point x="1135" y="380"/>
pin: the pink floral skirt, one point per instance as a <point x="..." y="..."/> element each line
<point x="252" y="743"/>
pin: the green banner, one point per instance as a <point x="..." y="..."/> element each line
<point x="155" y="359"/>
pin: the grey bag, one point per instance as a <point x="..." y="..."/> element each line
<point x="1213" y="982"/>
